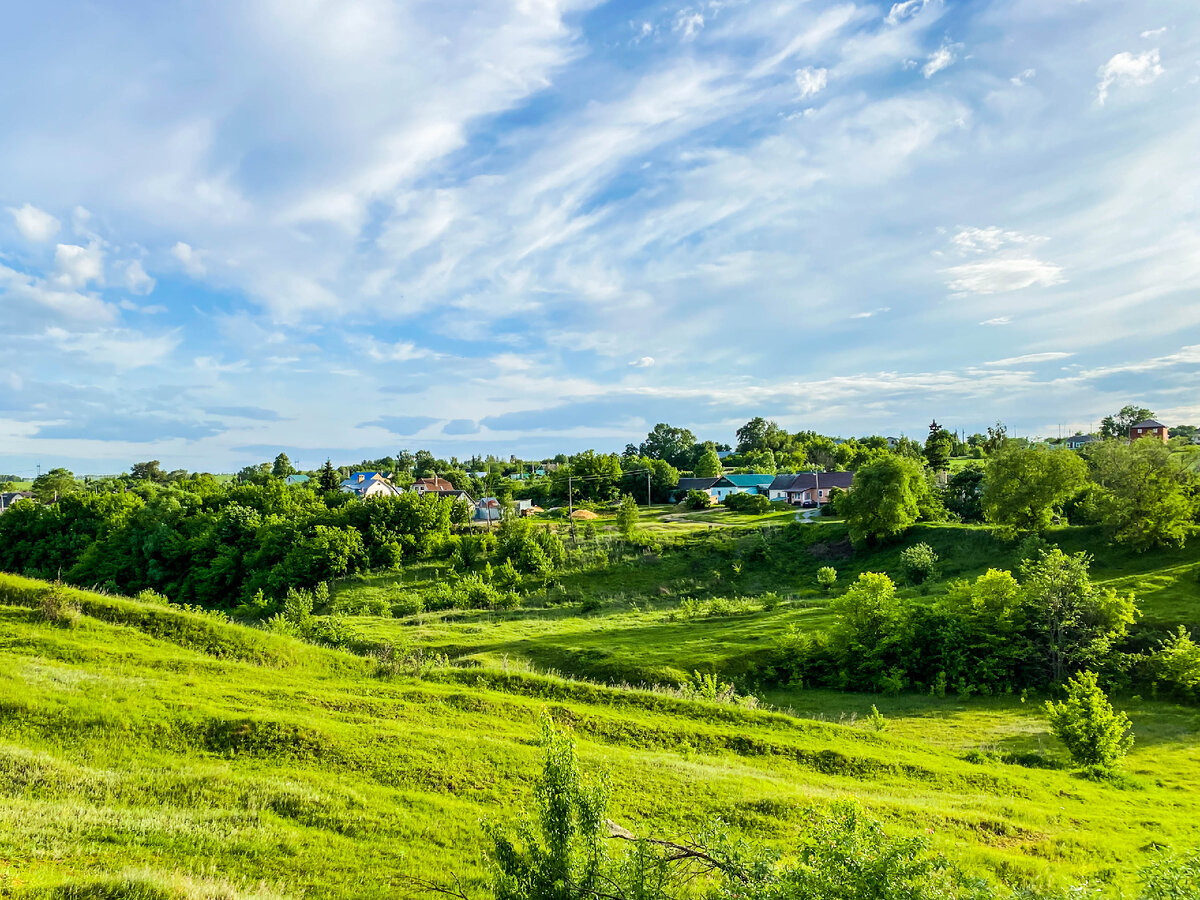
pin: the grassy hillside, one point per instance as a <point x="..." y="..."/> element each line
<point x="147" y="745"/>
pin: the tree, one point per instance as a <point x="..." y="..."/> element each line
<point x="1072" y="622"/>
<point x="283" y="466"/>
<point x="668" y="443"/>
<point x="148" y="471"/>
<point x="708" y="465"/>
<point x="919" y="562"/>
<point x="1144" y="496"/>
<point x="1116" y="427"/>
<point x="997" y="437"/>
<point x="938" y="447"/>
<point x="627" y="516"/>
<point x="1026" y="487"/>
<point x="867" y="618"/>
<point x="963" y="493"/>
<point x="54" y="484"/>
<point x="328" y="479"/>
<point x="1097" y="736"/>
<point x="560" y="854"/>
<point x="886" y="499"/>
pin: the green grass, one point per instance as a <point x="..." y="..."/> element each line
<point x="152" y="752"/>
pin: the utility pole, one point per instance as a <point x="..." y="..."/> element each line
<point x="647" y="489"/>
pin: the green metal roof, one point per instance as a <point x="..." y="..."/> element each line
<point x="748" y="480"/>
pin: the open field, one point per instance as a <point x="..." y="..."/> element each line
<point x="149" y="739"/>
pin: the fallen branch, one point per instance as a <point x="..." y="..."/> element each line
<point x="678" y="852"/>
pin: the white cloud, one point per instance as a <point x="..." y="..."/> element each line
<point x="1128" y="69"/>
<point x="904" y="10"/>
<point x="120" y="348"/>
<point x="1026" y="75"/>
<point x="1008" y="266"/>
<point x="1029" y="358"/>
<point x="941" y="58"/>
<point x="136" y="278"/>
<point x="1001" y="274"/>
<point x="34" y="224"/>
<point x="69" y="304"/>
<point x="75" y="266"/>
<point x="189" y="258"/>
<point x="811" y="81"/>
<point x="401" y="351"/>
<point x="644" y="363"/>
<point x="869" y="314"/>
<point x="689" y="22"/>
<point x="999" y="320"/>
<point x="1154" y="32"/>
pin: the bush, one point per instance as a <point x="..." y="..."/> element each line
<point x="406" y="603"/>
<point x="149" y="595"/>
<point x="750" y="504"/>
<point x="919" y="563"/>
<point x="1172" y="876"/>
<point x="1097" y="736"/>
<point x="697" y="500"/>
<point x="827" y="577"/>
<point x="58" y="609"/>
<point x="1176" y="665"/>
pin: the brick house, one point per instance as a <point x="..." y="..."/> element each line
<point x="1148" y="428"/>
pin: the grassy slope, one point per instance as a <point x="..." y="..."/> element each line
<point x="148" y="738"/>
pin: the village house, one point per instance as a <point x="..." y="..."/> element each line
<point x="369" y="484"/>
<point x="1148" y="428"/>
<point x="8" y="498"/>
<point x="813" y="488"/>
<point x="686" y="485"/>
<point x="436" y="483"/>
<point x="740" y="484"/>
<point x="1078" y="441"/>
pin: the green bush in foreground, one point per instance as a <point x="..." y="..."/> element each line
<point x="1097" y="736"/>
<point x="919" y="562"/>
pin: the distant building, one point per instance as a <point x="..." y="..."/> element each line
<point x="813" y="488"/>
<point x="436" y="483"/>
<point x="369" y="484"/>
<point x="296" y="479"/>
<point x="1148" y="428"/>
<point x="686" y="485"/>
<point x="749" y="483"/>
<point x="8" y="498"/>
<point x="1080" y="440"/>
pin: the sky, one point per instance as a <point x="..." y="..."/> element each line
<point x="351" y="227"/>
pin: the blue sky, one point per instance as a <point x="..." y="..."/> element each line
<point x="356" y="226"/>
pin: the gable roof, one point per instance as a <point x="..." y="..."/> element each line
<point x="783" y="482"/>
<point x="822" y="480"/>
<point x="1082" y="439"/>
<point x="1149" y="423"/>
<point x="437" y="483"/>
<point x="747" y="480"/>
<point x="695" y="484"/>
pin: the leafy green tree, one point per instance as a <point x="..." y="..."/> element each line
<point x="708" y="465"/>
<point x="627" y="516"/>
<point x="560" y="853"/>
<point x="697" y="500"/>
<point x="1145" y="496"/>
<point x="759" y="461"/>
<point x="886" y="499"/>
<point x="665" y="442"/>
<point x="1025" y="488"/>
<point x="1116" y="427"/>
<point x="1073" y="622"/>
<point x="256" y="474"/>
<point x="1097" y="736"/>
<point x="1176" y="665"/>
<point x="868" y="617"/>
<point x="328" y="479"/>
<point x="827" y="577"/>
<point x="963" y="493"/>
<point x="997" y="437"/>
<point x="148" y="471"/>
<point x="54" y="484"/>
<point x="282" y="467"/>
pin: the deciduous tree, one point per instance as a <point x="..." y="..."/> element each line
<point x="1026" y="487"/>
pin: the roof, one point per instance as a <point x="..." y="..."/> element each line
<point x="1082" y="439"/>
<point x="437" y="483"/>
<point x="783" y="482"/>
<point x="748" y="480"/>
<point x="822" y="480"/>
<point x="365" y="476"/>
<point x="453" y="494"/>
<point x="695" y="484"/>
<point x="296" y="479"/>
<point x="1149" y="423"/>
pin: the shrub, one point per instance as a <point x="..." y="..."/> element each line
<point x="1172" y="876"/>
<point x="751" y="504"/>
<point x="770" y="601"/>
<point x="697" y="500"/>
<point x="919" y="562"/>
<point x="58" y="609"/>
<point x="406" y="603"/>
<point x="878" y="722"/>
<point x="591" y="605"/>
<point x="149" y="595"/>
<point x="827" y="577"/>
<point x="1097" y="736"/>
<point x="627" y="516"/>
<point x="1176" y="665"/>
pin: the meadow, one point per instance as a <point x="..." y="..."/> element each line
<point x="154" y="751"/>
